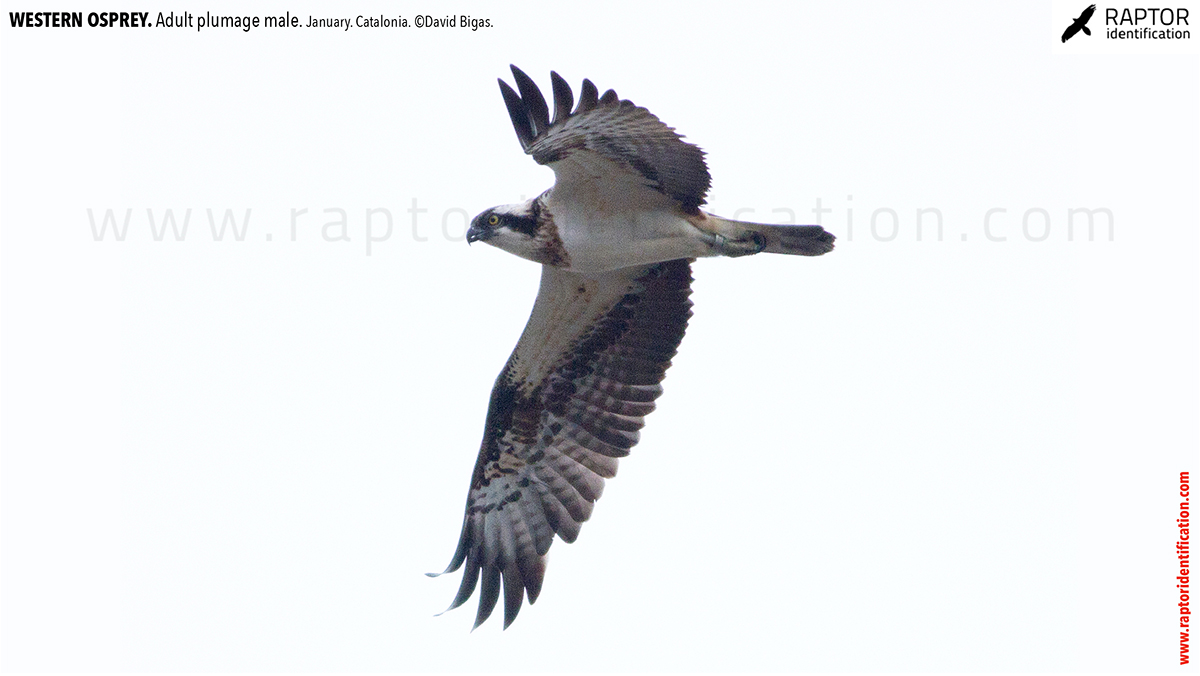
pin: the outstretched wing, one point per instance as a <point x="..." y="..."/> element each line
<point x="1087" y="15"/>
<point x="603" y="138"/>
<point x="569" y="402"/>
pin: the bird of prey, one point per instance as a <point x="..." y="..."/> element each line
<point x="1080" y="24"/>
<point x="616" y="236"/>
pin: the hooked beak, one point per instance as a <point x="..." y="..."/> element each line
<point x="476" y="233"/>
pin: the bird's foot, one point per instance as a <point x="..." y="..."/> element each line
<point x="747" y="244"/>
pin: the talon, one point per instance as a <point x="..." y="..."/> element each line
<point x="747" y="244"/>
<point x="760" y="241"/>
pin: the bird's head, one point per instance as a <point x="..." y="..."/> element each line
<point x="512" y="227"/>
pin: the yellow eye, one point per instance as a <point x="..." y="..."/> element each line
<point x="493" y="219"/>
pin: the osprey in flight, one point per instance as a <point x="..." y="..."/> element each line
<point x="616" y="236"/>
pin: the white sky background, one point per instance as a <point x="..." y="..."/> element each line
<point x="950" y="453"/>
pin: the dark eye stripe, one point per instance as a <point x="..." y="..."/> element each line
<point x="526" y="225"/>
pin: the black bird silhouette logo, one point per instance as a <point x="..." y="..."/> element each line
<point x="1080" y="24"/>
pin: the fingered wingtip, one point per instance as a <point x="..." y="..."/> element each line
<point x="449" y="569"/>
<point x="563" y="98"/>
<point x="532" y="102"/>
<point x="456" y="603"/>
<point x="453" y="604"/>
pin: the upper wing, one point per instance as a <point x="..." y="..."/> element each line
<point x="604" y="137"/>
<point x="1087" y="14"/>
<point x="569" y="402"/>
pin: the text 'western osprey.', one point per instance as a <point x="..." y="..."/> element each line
<point x="616" y="236"/>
